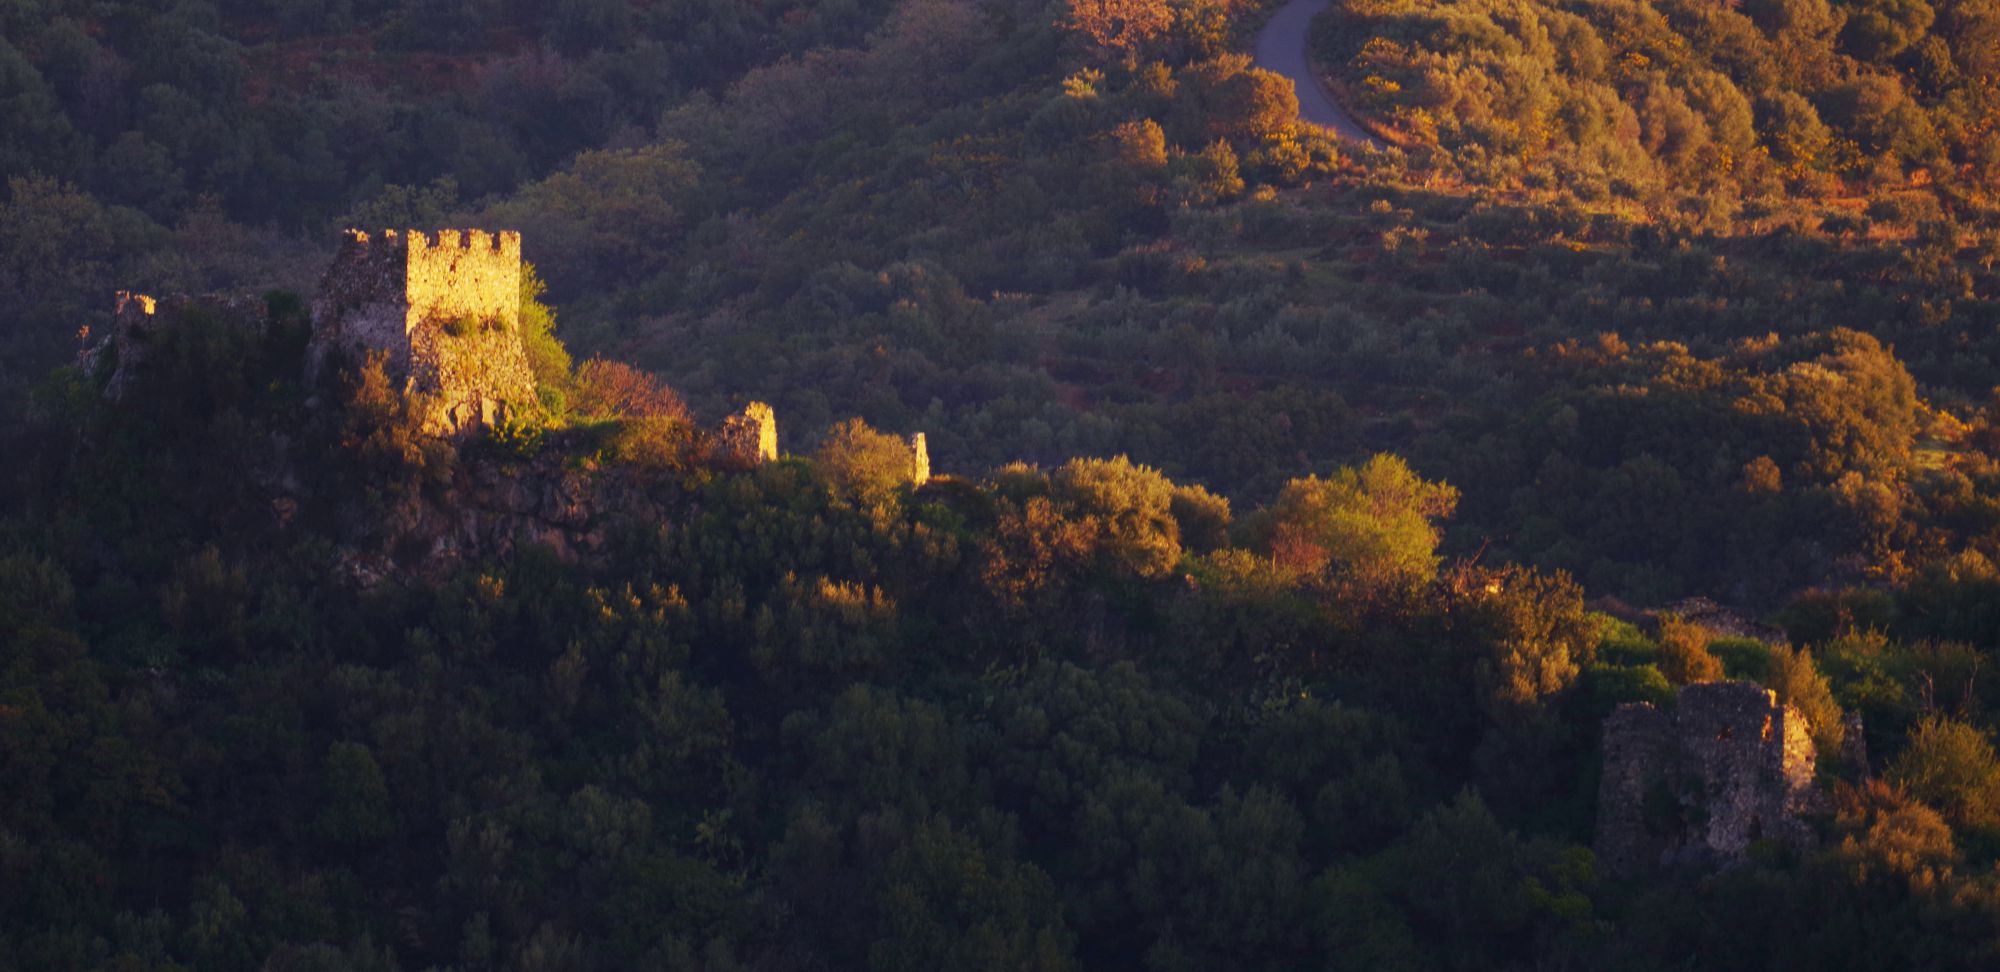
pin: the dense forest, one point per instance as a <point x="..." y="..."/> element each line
<point x="1304" y="508"/>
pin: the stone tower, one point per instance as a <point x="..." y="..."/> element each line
<point x="444" y="310"/>
<point x="1697" y="784"/>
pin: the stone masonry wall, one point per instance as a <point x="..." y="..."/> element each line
<point x="132" y="327"/>
<point x="1640" y="761"/>
<point x="1698" y="784"/>
<point x="362" y="303"/>
<point x="1753" y="759"/>
<point x="459" y="275"/>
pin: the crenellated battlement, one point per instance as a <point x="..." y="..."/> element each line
<point x="502" y="243"/>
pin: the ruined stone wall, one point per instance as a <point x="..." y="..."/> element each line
<point x="1640" y="762"/>
<point x="1698" y="784"/>
<point x="133" y="321"/>
<point x="1751" y="756"/>
<point x="920" y="460"/>
<point x="136" y="322"/>
<point x="1723" y="621"/>
<point x="748" y="438"/>
<point x="134" y="307"/>
<point x="472" y="373"/>
<point x="362" y="304"/>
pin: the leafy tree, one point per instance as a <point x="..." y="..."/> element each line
<point x="1351" y="768"/>
<point x="876" y="749"/>
<point x="357" y="806"/>
<point x="1206" y="177"/>
<point x="1128" y="508"/>
<point x="1235" y="101"/>
<point x="1878" y="30"/>
<point x="1798" y="682"/>
<point x="1201" y="517"/>
<point x="397" y="206"/>
<point x="1467" y="893"/>
<point x="1535" y="635"/>
<point x="1798" y="140"/>
<point x="1684" y="654"/>
<point x="142" y="174"/>
<point x="581" y="26"/>
<point x="948" y="903"/>
<point x="1950" y="765"/>
<point x="609" y="216"/>
<point x="613" y="389"/>
<point x="1373" y="526"/>
<point x="62" y="252"/>
<point x="1119" y="27"/>
<point x="1060" y="730"/>
<point x="547" y="358"/>
<point x="862" y="465"/>
<point x="39" y="137"/>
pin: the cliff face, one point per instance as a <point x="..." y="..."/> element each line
<point x="491" y="507"/>
<point x="1697" y="784"/>
<point x="493" y="504"/>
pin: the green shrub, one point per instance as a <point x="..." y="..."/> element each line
<point x="1951" y="766"/>
<point x="1742" y="657"/>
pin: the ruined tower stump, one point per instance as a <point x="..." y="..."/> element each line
<point x="1697" y="784"/>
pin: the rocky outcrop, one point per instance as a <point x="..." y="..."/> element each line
<point x="496" y="504"/>
<point x="1699" y="783"/>
<point x="494" y="507"/>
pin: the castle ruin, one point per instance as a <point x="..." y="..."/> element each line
<point x="444" y="311"/>
<point x="1698" y="783"/>
<point x="136" y="322"/>
<point x="750" y="437"/>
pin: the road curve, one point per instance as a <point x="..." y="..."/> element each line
<point x="1281" y="47"/>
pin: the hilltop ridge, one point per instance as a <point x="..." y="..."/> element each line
<point x="1435" y="556"/>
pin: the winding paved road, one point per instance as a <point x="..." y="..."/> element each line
<point x="1281" y="47"/>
